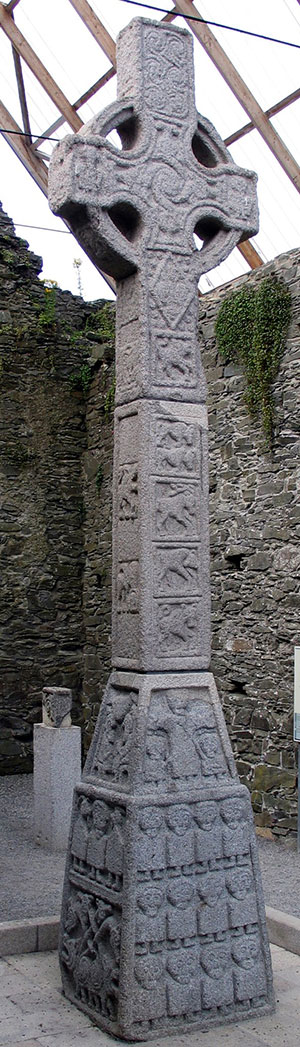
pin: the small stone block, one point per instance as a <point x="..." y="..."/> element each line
<point x="57" y="705"/>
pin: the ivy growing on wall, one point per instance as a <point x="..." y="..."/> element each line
<point x="250" y="329"/>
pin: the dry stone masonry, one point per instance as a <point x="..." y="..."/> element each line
<point x="55" y="525"/>
<point x="163" y="924"/>
<point x="255" y="559"/>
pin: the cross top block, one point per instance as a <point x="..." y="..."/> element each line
<point x="173" y="176"/>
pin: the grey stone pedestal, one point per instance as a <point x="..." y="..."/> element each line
<point x="163" y="922"/>
<point x="57" y="768"/>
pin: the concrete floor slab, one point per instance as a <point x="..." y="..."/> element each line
<point x="35" y="1014"/>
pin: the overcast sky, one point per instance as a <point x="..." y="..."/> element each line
<point x="271" y="71"/>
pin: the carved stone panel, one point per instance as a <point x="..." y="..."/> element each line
<point x="97" y="845"/>
<point x="110" y="756"/>
<point x="177" y="570"/>
<point x="178" y="448"/>
<point x="90" y="953"/>
<point x="161" y="600"/>
<point x="191" y="945"/>
<point x="174" y="361"/>
<point x="183" y="746"/>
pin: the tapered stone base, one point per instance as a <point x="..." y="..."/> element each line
<point x="163" y="923"/>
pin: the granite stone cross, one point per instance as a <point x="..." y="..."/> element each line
<point x="163" y="924"/>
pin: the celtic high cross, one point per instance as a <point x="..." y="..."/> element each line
<point x="163" y="923"/>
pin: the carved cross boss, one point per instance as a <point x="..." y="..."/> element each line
<point x="135" y="211"/>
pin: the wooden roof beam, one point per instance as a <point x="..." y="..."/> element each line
<point x="76" y="105"/>
<point x="12" y="3"/>
<point x="96" y="28"/>
<point x="33" y="163"/>
<point x="250" y="254"/>
<point x="38" y="69"/>
<point x="203" y="33"/>
<point x="21" y="92"/>
<point x="274" y="109"/>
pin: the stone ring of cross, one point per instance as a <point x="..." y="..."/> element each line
<point x="172" y="180"/>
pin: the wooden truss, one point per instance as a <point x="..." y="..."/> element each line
<point x="28" y="150"/>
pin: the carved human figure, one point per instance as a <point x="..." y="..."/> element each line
<point x="176" y="509"/>
<point x="122" y="757"/>
<point x="149" y="993"/>
<point x="208" y="838"/>
<point x="98" y="964"/>
<point x="80" y="834"/>
<point x="212" y="910"/>
<point x="89" y="967"/>
<point x="183" y="760"/>
<point x="128" y="493"/>
<point x="249" y="975"/>
<point x="107" y="941"/>
<point x="175" y="362"/>
<point x="97" y="843"/>
<point x="115" y="848"/>
<point x="184" y="985"/>
<point x="177" y="448"/>
<point x="242" y="907"/>
<point x="212" y="757"/>
<point x="235" y="833"/>
<point x="127" y="588"/>
<point x="180" y="839"/>
<point x="150" y="917"/>
<point x="217" y="983"/>
<point x="181" y="911"/>
<point x="106" y="751"/>
<point x="151" y="842"/>
<point x="115" y="739"/>
<point x="76" y="927"/>
<point x="172" y="717"/>
<point x="177" y="627"/>
<point x="156" y="750"/>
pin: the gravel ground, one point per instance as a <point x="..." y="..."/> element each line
<point x="31" y="878"/>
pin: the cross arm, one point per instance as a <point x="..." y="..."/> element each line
<point x="86" y="188"/>
<point x="224" y="212"/>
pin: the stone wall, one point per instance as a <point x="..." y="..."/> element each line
<point x="44" y="606"/>
<point x="255" y="560"/>
<point x="56" y="470"/>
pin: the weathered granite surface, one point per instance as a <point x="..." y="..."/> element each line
<point x="163" y="923"/>
<point x="163" y="919"/>
<point x="57" y="705"/>
<point x="57" y="769"/>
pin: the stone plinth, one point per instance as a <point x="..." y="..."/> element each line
<point x="163" y="924"/>
<point x="57" y="769"/>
